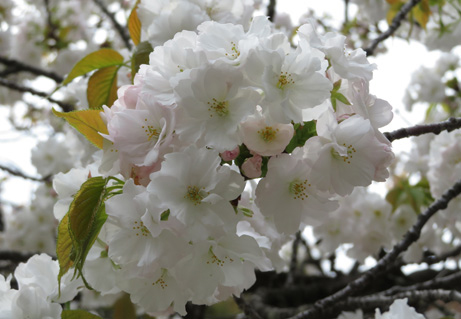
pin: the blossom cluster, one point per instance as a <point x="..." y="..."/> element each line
<point x="38" y="295"/>
<point x="212" y="189"/>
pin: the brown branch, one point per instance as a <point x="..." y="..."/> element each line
<point x="396" y="22"/>
<point x="65" y="106"/>
<point x="370" y="303"/>
<point x="448" y="125"/>
<point x="15" y="256"/>
<point x="18" y="173"/>
<point x="20" y="66"/>
<point x="432" y="259"/>
<point x="271" y="10"/>
<point x="120" y="29"/>
<point x="317" y="310"/>
<point x="447" y="282"/>
<point x="294" y="260"/>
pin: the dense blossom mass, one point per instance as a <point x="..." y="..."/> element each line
<point x="230" y="139"/>
<point x="181" y="229"/>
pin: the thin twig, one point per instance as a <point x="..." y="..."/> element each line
<point x="393" y="27"/>
<point x="18" y="173"/>
<point x="20" y="66"/>
<point x="65" y="106"/>
<point x="366" y="278"/>
<point x="294" y="260"/>
<point x="122" y="31"/>
<point x="430" y="260"/>
<point x="271" y="10"/>
<point x="447" y="282"/>
<point x="246" y="308"/>
<point x="448" y="125"/>
<point x="346" y="12"/>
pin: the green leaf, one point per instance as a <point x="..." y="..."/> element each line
<point x="342" y="98"/>
<point x="88" y="122"/>
<point x="86" y="216"/>
<point x="336" y="96"/>
<point x="393" y="10"/>
<point x="421" y="13"/>
<point x="124" y="308"/>
<point x="96" y="60"/>
<point x="165" y="215"/>
<point x="140" y="56"/>
<point x="102" y="87"/>
<point x="403" y="193"/>
<point x="78" y="314"/>
<point x="64" y="248"/>
<point x="134" y="25"/>
<point x="246" y="211"/>
<point x="301" y="135"/>
<point x="243" y="155"/>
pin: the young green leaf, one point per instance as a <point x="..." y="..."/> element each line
<point x="86" y="217"/>
<point x="301" y="135"/>
<point x="134" y="25"/>
<point x="96" y="60"/>
<point x="64" y="248"/>
<point x="88" y="122"/>
<point x="124" y="308"/>
<point x="416" y="196"/>
<point x="78" y="314"/>
<point x="102" y="87"/>
<point x="422" y="12"/>
<point x="140" y="56"/>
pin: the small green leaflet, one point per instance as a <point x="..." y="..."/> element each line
<point x="78" y="314"/>
<point x="81" y="225"/>
<point x="336" y="96"/>
<point x="140" y="56"/>
<point x="302" y="134"/>
<point x="94" y="61"/>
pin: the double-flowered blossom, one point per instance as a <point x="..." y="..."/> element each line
<point x="37" y="295"/>
<point x="211" y="145"/>
<point x="346" y="154"/>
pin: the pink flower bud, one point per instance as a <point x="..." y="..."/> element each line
<point x="230" y="155"/>
<point x="251" y="168"/>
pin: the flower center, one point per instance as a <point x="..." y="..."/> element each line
<point x="346" y="159"/>
<point x="195" y="195"/>
<point x="284" y="80"/>
<point x="150" y="131"/>
<point x="140" y="229"/>
<point x="221" y="108"/>
<point x="214" y="260"/>
<point x="298" y="189"/>
<point x="268" y="134"/>
<point x="235" y="53"/>
<point x="161" y="282"/>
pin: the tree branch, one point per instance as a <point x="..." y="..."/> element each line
<point x="366" y="278"/>
<point x="65" y="106"/>
<point x="346" y="12"/>
<point x="120" y="29"/>
<point x="15" y="256"/>
<point x="448" y="125"/>
<point x="432" y="259"/>
<point x="393" y="27"/>
<point x="271" y="10"/>
<point x="20" y="66"/>
<point x="294" y="260"/>
<point x="370" y="303"/>
<point x="18" y="173"/>
<point x="447" y="282"/>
